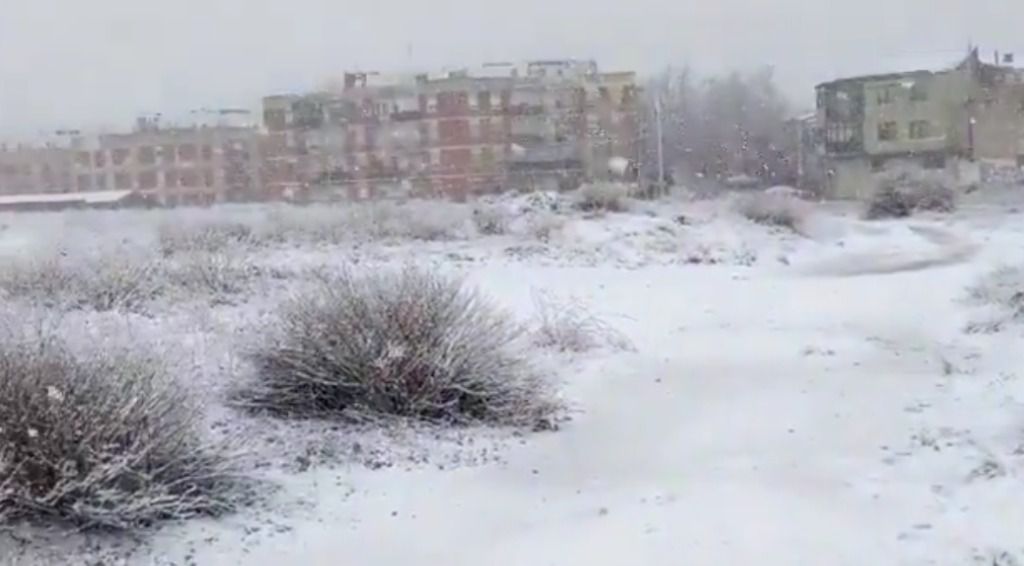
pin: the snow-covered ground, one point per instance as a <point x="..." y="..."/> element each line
<point x="791" y="399"/>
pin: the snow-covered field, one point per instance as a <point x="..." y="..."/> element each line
<point x="788" y="399"/>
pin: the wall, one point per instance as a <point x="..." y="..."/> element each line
<point x="29" y="170"/>
<point x="452" y="134"/>
<point x="849" y="178"/>
<point x="999" y="122"/>
<point x="175" y="165"/>
<point x="940" y="105"/>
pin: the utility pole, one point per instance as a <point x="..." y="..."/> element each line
<point x="662" y="189"/>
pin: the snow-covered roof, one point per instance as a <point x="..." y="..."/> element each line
<point x="91" y="197"/>
<point x="498" y="70"/>
<point x="931" y="62"/>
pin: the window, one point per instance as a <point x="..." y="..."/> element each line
<point x="188" y="152"/>
<point x="487" y="158"/>
<point x="147" y="180"/>
<point x="839" y="133"/>
<point x="888" y="131"/>
<point x="168" y="153"/>
<point x="170" y="178"/>
<point x="122" y="181"/>
<point x="146" y="155"/>
<point x="99" y="158"/>
<point x="84" y="182"/>
<point x="100" y="182"/>
<point x="189" y="179"/>
<point x="877" y="164"/>
<point x="628" y="94"/>
<point x="208" y="178"/>
<point x="207" y="153"/>
<point x="83" y="158"/>
<point x="884" y="96"/>
<point x="918" y="92"/>
<point x="920" y="129"/>
<point x="603" y="93"/>
<point x="483" y="101"/>
<point x="119" y="156"/>
<point x="276" y="119"/>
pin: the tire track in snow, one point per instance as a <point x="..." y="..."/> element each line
<point x="946" y="248"/>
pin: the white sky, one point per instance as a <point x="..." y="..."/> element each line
<point x="98" y="63"/>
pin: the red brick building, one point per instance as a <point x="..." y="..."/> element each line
<point x="454" y="134"/>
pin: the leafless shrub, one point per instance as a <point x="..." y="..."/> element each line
<point x="544" y="225"/>
<point x="430" y="220"/>
<point x="44" y="281"/>
<point x="902" y="191"/>
<point x="102" y="440"/>
<point x="217" y="275"/>
<point x="773" y="210"/>
<point x="100" y="283"/>
<point x="570" y="326"/>
<point x="1002" y="291"/>
<point x="608" y="197"/>
<point x="410" y="344"/>
<point x="491" y="219"/>
<point x="419" y="220"/>
<point x="214" y="236"/>
<point x="313" y="224"/>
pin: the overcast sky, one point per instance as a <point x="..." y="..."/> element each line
<point x="98" y="63"/>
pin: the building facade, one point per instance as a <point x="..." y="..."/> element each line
<point x="454" y="134"/>
<point x="173" y="165"/>
<point x="33" y="170"/>
<point x="950" y="119"/>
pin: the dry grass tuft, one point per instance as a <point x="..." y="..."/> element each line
<point x="570" y="326"/>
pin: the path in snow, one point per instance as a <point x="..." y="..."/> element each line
<point x="881" y="253"/>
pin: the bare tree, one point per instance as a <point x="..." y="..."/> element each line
<point x="721" y="126"/>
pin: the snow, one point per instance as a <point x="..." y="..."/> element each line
<point x="905" y="62"/>
<point x="90" y="197"/>
<point x="791" y="400"/>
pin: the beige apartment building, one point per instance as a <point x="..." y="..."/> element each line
<point x="953" y="119"/>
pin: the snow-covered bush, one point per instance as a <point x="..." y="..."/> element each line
<point x="102" y="440"/>
<point x="430" y="220"/>
<point x="208" y="236"/>
<point x="100" y="283"/>
<point x="1002" y="291"/>
<point x="901" y="192"/>
<point x="216" y="275"/>
<point x="409" y="343"/>
<point x="322" y="224"/>
<point x="543" y="225"/>
<point x="773" y="209"/>
<point x="889" y="202"/>
<point x="491" y="219"/>
<point x="416" y="220"/>
<point x="570" y="326"/>
<point x="610" y="197"/>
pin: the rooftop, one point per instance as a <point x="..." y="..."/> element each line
<point x="93" y="197"/>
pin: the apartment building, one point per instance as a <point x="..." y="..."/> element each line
<point x="454" y="133"/>
<point x="35" y="169"/>
<point x="197" y="164"/>
<point x="948" y="119"/>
